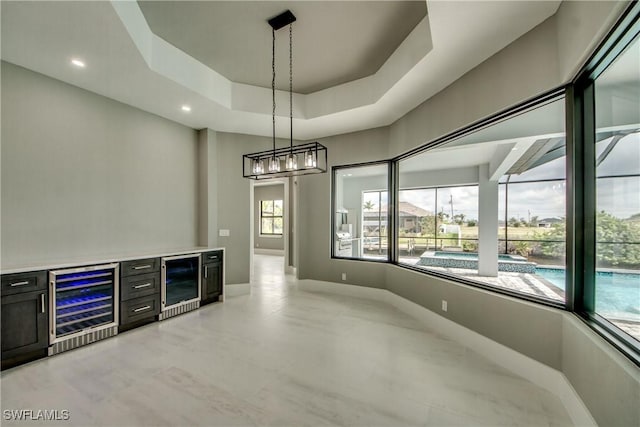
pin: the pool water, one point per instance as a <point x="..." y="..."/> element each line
<point x="617" y="294"/>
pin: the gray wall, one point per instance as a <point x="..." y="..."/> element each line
<point x="530" y="329"/>
<point x="234" y="200"/>
<point x="315" y="210"/>
<point x="84" y="175"/>
<point x="268" y="192"/>
<point x="608" y="382"/>
<point x="233" y="203"/>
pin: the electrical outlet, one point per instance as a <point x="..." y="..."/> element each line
<point x="344" y="276"/>
<point x="444" y="305"/>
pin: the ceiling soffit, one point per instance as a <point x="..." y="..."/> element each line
<point x="131" y="64"/>
<point x="334" y="42"/>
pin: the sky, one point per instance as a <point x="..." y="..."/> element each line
<point x="619" y="196"/>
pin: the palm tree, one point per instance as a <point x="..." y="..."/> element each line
<point x="368" y="205"/>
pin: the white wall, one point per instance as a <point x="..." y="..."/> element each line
<point x="84" y="175"/>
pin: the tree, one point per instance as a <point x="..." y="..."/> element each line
<point x="612" y="229"/>
<point x="443" y="217"/>
<point x="513" y="222"/>
<point x="459" y="218"/>
<point x="428" y="225"/>
<point x="368" y="205"/>
<point x="616" y="241"/>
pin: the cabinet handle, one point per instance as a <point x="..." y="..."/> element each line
<point x="146" y="307"/>
<point x="141" y="267"/>
<point x="26" y="282"/>
<point x="42" y="302"/>
<point x="146" y="285"/>
<point x="205" y="271"/>
<point x="213" y="257"/>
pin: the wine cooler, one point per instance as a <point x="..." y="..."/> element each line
<point x="180" y="285"/>
<point x="84" y="306"/>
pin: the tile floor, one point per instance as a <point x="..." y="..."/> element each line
<point x="279" y="357"/>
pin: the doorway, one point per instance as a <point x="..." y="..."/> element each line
<point x="270" y="226"/>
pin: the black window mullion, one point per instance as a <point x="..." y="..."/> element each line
<point x="574" y="200"/>
<point x="392" y="212"/>
<point x="589" y="197"/>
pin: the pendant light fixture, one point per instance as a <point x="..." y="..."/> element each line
<point x="283" y="162"/>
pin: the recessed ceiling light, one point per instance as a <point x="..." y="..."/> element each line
<point x="514" y="149"/>
<point x="78" y="63"/>
<point x="186" y="108"/>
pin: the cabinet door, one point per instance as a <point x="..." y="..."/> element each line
<point x="212" y="280"/>
<point x="24" y="323"/>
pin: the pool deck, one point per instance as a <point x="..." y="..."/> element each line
<point x="526" y="283"/>
<point x="521" y="282"/>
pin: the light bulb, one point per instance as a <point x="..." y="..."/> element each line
<point x="310" y="159"/>
<point x="291" y="162"/>
<point x="274" y="165"/>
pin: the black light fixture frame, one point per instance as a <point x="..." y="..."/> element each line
<point x="313" y="155"/>
<point x="318" y="150"/>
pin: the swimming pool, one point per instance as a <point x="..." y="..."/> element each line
<point x="617" y="294"/>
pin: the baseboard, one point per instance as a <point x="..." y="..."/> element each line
<point x="260" y="251"/>
<point x="538" y="373"/>
<point x="237" y="289"/>
<point x="290" y="270"/>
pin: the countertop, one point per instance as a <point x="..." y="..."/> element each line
<point x="54" y="264"/>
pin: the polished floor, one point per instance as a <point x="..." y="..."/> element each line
<point x="279" y="357"/>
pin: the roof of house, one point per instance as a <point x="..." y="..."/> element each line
<point x="405" y="209"/>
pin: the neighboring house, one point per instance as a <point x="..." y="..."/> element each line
<point x="409" y="218"/>
<point x="549" y="222"/>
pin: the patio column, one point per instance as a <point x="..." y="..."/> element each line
<point x="487" y="223"/>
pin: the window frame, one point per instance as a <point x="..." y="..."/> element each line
<point x="552" y="95"/>
<point x="273" y="217"/>
<point x="580" y="178"/>
<point x="390" y="214"/>
<point x="581" y="121"/>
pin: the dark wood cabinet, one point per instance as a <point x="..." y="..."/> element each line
<point x="139" y="266"/>
<point x="139" y="286"/>
<point x="139" y="292"/>
<point x="139" y="309"/>
<point x="23" y="282"/>
<point x="25" y="317"/>
<point x="212" y="277"/>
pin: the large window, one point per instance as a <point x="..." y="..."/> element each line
<point x="361" y="212"/>
<point x="271" y="222"/>
<point x="617" y="204"/>
<point x="489" y="207"/>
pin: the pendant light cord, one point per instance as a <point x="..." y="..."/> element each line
<point x="291" y="87"/>
<point x="273" y="87"/>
